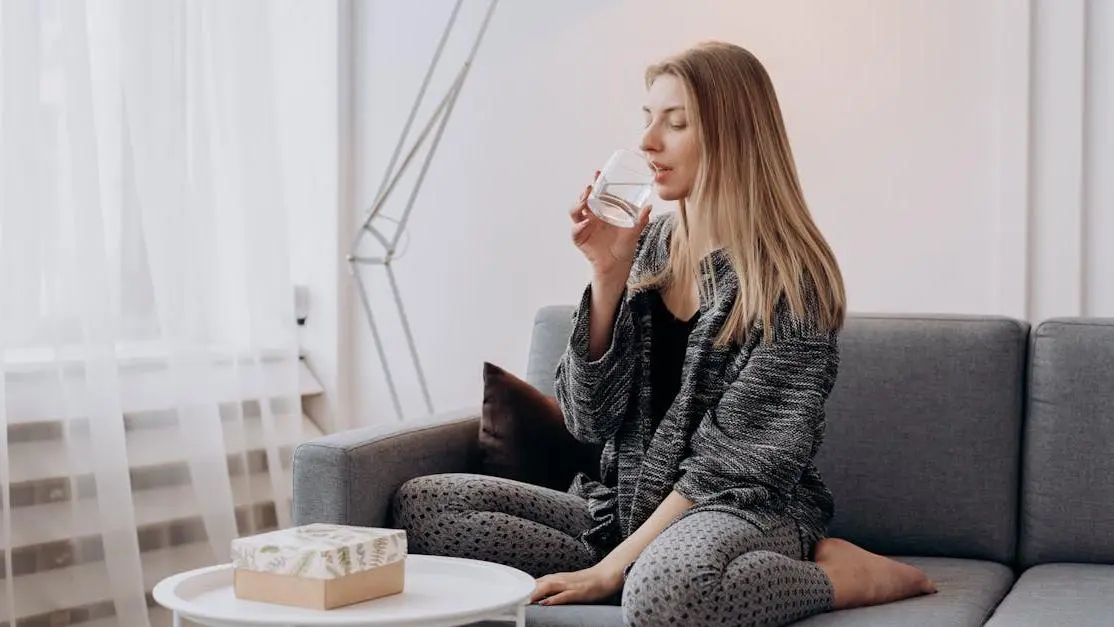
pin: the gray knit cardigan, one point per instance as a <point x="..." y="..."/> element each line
<point x="742" y="433"/>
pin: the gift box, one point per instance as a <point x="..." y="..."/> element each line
<point x="319" y="566"/>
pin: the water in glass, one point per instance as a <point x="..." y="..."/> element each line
<point x="622" y="188"/>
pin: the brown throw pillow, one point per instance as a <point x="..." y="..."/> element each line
<point x="523" y="435"/>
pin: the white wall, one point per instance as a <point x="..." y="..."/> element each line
<point x="910" y="123"/>
<point x="1072" y="156"/>
<point x="1098" y="192"/>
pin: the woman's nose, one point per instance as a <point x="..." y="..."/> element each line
<point x="651" y="142"/>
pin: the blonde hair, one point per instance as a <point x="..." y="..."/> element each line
<point x="749" y="196"/>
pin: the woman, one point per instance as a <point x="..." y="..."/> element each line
<point x="701" y="356"/>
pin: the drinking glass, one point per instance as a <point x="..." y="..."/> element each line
<point x="622" y="188"/>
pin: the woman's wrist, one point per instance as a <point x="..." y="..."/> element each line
<point x="611" y="571"/>
<point x="611" y="280"/>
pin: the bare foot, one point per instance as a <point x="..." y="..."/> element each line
<point x="860" y="578"/>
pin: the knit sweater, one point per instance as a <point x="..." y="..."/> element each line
<point x="742" y="433"/>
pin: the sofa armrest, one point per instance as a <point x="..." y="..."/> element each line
<point x="350" y="477"/>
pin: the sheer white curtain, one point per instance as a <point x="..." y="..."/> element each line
<point x="146" y="328"/>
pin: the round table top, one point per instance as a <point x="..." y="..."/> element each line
<point x="439" y="592"/>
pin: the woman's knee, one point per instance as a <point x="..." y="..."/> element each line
<point x="668" y="591"/>
<point x="421" y="497"/>
<point x="688" y="592"/>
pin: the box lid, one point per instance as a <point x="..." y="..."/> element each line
<point x="319" y="551"/>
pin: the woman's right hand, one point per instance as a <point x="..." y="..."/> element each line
<point x="609" y="248"/>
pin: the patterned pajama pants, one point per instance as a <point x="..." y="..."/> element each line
<point x="709" y="568"/>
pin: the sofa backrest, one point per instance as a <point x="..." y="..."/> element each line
<point x="923" y="438"/>
<point x="1067" y="500"/>
<point x="552" y="326"/>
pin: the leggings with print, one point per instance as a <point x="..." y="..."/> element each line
<point x="709" y="568"/>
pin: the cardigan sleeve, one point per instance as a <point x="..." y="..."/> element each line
<point x="751" y="449"/>
<point x="594" y="394"/>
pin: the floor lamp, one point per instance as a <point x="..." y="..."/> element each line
<point x="370" y="227"/>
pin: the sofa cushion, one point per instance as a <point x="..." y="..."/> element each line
<point x="566" y="616"/>
<point x="523" y="435"/>
<point x="922" y="446"/>
<point x="968" y="591"/>
<point x="1067" y="501"/>
<point x="574" y="616"/>
<point x="1059" y="594"/>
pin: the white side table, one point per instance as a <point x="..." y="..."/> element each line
<point x="439" y="592"/>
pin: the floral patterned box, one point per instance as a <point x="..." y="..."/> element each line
<point x="319" y="566"/>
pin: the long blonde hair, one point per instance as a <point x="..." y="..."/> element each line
<point x="748" y="194"/>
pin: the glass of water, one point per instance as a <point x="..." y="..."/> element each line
<point x="622" y="188"/>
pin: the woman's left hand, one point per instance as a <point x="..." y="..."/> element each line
<point x="583" y="586"/>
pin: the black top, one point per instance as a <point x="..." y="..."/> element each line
<point x="667" y="355"/>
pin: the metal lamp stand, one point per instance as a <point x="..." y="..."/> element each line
<point x="436" y="126"/>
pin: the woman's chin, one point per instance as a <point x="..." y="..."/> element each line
<point x="668" y="194"/>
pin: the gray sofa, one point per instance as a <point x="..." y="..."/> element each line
<point x="975" y="448"/>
